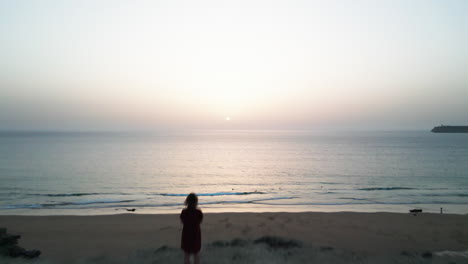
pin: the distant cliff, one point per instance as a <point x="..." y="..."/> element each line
<point x="450" y="129"/>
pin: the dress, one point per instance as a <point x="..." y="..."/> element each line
<point x="191" y="233"/>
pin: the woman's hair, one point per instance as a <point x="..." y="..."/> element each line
<point x="191" y="201"/>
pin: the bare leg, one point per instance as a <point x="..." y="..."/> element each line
<point x="186" y="258"/>
<point x="196" y="258"/>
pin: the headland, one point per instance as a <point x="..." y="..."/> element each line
<point x="450" y="129"/>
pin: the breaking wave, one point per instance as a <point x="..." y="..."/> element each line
<point x="64" y="204"/>
<point x="213" y="194"/>
<point x="385" y="189"/>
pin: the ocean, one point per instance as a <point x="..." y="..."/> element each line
<point x="75" y="173"/>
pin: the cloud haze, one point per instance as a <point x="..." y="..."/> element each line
<point x="91" y="65"/>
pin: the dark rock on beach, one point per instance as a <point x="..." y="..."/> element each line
<point x="278" y="242"/>
<point x="426" y="255"/>
<point x="7" y="239"/>
<point x="271" y="241"/>
<point x="220" y="243"/>
<point x="9" y="246"/>
<point x="31" y="253"/>
<point x="15" y="251"/>
<point x="326" y="248"/>
<point x="236" y="242"/>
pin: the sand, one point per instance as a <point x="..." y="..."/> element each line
<point x="308" y="237"/>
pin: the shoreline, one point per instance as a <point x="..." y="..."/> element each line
<point x="459" y="209"/>
<point x="121" y="237"/>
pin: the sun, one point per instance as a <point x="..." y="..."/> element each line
<point x="227" y="118"/>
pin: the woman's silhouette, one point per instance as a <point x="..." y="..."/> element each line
<point x="191" y="217"/>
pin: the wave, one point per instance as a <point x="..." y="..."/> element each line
<point x="74" y="194"/>
<point x="354" y="199"/>
<point x="87" y="202"/>
<point x="68" y="194"/>
<point x="385" y="189"/>
<point x="321" y="191"/>
<point x="213" y="194"/>
<point x="106" y="203"/>
<point x="444" y="195"/>
<point x="366" y="203"/>
<point x="51" y="205"/>
<point x="268" y="201"/>
<point x="21" y="206"/>
<point x="247" y="201"/>
<point x="163" y="194"/>
<point x="273" y="199"/>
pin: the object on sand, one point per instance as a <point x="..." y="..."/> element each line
<point x="9" y="246"/>
<point x="416" y="211"/>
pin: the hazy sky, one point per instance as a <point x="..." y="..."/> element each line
<point x="94" y="65"/>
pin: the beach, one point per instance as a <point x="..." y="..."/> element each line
<point x="306" y="132"/>
<point x="344" y="237"/>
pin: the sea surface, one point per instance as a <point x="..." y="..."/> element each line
<point x="49" y="173"/>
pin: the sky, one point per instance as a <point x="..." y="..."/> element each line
<point x="215" y="64"/>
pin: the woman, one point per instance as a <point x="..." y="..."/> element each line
<point x="191" y="217"/>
